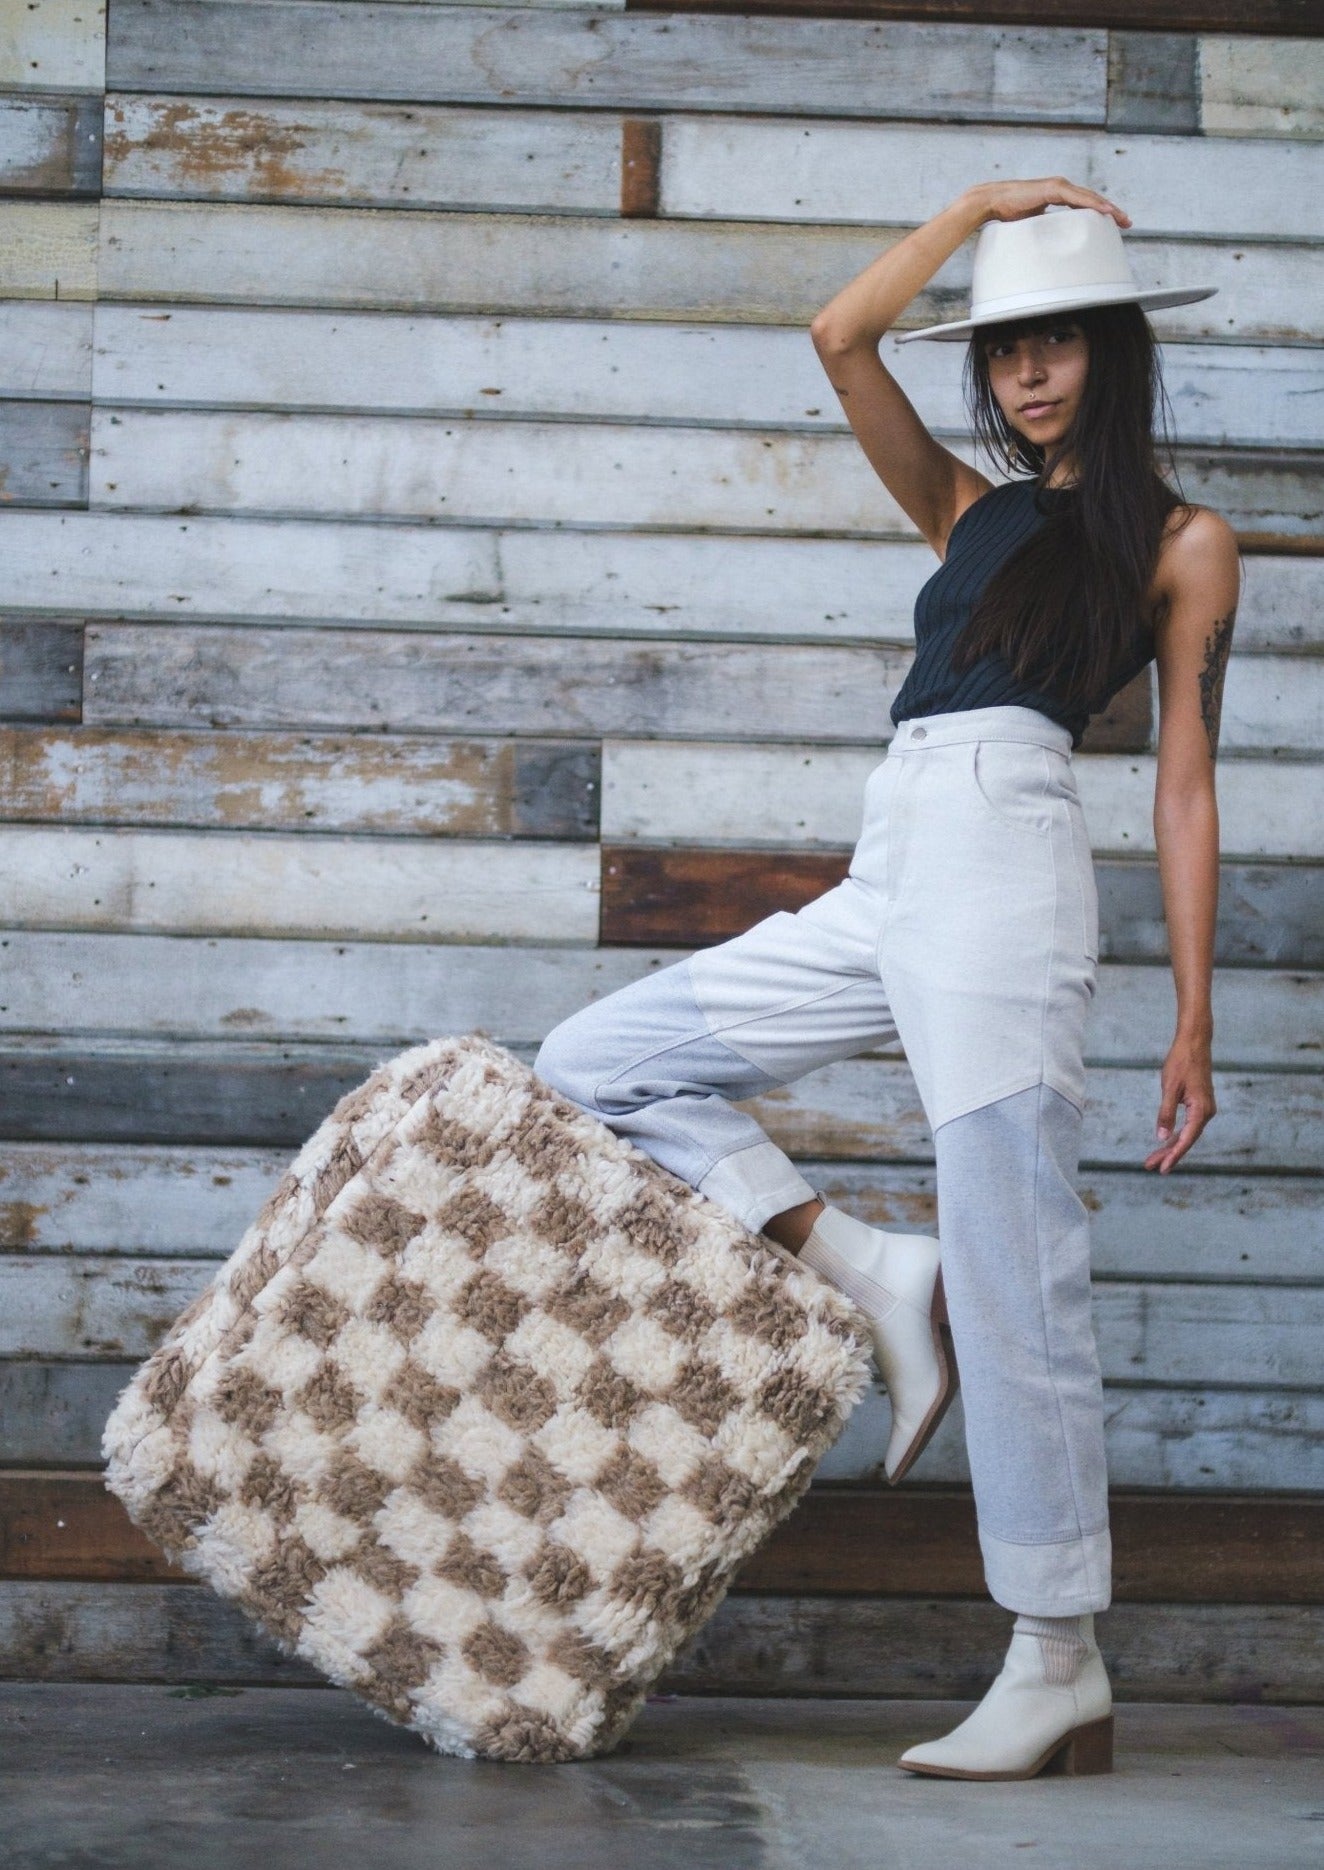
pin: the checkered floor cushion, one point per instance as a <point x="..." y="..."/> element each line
<point x="485" y="1409"/>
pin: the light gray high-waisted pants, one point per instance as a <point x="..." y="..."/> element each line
<point x="967" y="929"/>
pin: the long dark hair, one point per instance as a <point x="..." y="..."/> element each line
<point x="1067" y="608"/>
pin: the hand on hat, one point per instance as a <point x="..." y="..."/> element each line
<point x="1013" y="201"/>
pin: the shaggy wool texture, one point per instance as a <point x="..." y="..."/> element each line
<point x="486" y="1408"/>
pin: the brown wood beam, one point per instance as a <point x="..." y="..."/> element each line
<point x="641" y="167"/>
<point x="1292" y="18"/>
<point x="840" y="1541"/>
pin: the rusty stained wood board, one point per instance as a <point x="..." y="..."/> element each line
<point x="669" y="895"/>
<point x="396" y="784"/>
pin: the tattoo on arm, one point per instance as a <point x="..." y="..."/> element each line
<point x="1217" y="646"/>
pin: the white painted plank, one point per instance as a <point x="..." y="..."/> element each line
<point x="598" y="267"/>
<point x="185" y="1202"/>
<point x="565" y="473"/>
<point x="751" y="169"/>
<point x="401" y="889"/>
<point x="95" y="1307"/>
<point x="382" y="994"/>
<point x="757" y="376"/>
<point x="1273" y="704"/>
<point x="48" y="249"/>
<point x="418" y="468"/>
<point x="415" y="155"/>
<point x="1168" y="1438"/>
<point x="1261" y="86"/>
<point x="351" y="48"/>
<point x="45" y="350"/>
<point x="122" y="565"/>
<point x="599" y="582"/>
<point x="53" y="45"/>
<point x="781" y="795"/>
<point x="58" y="981"/>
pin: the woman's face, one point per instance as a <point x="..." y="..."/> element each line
<point x="1038" y="378"/>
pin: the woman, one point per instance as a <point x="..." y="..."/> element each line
<point x="967" y="926"/>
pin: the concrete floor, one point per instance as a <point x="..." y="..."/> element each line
<point x="109" y="1776"/>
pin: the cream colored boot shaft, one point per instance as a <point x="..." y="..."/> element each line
<point x="894" y="1278"/>
<point x="1026" y="1725"/>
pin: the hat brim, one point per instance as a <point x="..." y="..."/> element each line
<point x="1069" y="302"/>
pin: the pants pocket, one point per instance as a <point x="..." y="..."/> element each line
<point x="1010" y="781"/>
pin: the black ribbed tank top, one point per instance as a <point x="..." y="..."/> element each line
<point x="987" y="533"/>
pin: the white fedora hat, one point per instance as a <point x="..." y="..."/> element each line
<point x="1060" y="260"/>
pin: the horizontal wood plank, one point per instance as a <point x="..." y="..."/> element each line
<point x="1154" y="16"/>
<point x="365" y="155"/>
<point x="99" y="1308"/>
<point x="1262" y="86"/>
<point x="41" y="671"/>
<point x="748" y="376"/>
<point x="50" y="146"/>
<point x="485" y="684"/>
<point x="53" y="1414"/>
<point x="379" y="993"/>
<point x="787" y="170"/>
<point x="43" y="454"/>
<point x="362" y="49"/>
<point x="48" y="250"/>
<point x="658" y="585"/>
<point x="397" y="784"/>
<point x="45" y="350"/>
<point x="791" y="797"/>
<point x="199" y="987"/>
<point x="757" y="1645"/>
<point x="62" y="1090"/>
<point x="595" y="266"/>
<point x="195" y="1202"/>
<point x="248" y="883"/>
<point x="53" y="45"/>
<point x="754" y="1645"/>
<point x="686" y="897"/>
<point x="1159" y="1437"/>
<point x="567" y="473"/>
<point x="838" y="1541"/>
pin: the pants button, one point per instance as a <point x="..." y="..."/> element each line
<point x="919" y="733"/>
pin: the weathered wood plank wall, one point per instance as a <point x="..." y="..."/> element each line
<point x="426" y="530"/>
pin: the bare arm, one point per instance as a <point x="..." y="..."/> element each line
<point x="1199" y="582"/>
<point x="932" y="485"/>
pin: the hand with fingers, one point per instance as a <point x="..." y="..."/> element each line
<point x="1014" y="201"/>
<point x="1187" y="1080"/>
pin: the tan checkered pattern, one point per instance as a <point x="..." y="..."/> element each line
<point x="485" y="1409"/>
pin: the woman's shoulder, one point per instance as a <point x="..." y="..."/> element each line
<point x="1199" y="556"/>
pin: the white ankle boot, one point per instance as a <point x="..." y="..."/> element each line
<point x="1049" y="1711"/>
<point x="896" y="1281"/>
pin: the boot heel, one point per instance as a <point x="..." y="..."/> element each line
<point x="1087" y="1749"/>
